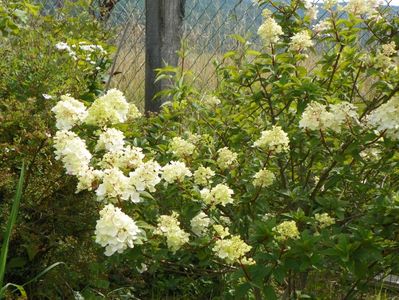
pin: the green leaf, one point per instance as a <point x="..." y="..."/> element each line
<point x="11" y="222"/>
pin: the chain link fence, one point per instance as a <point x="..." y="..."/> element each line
<point x="207" y="27"/>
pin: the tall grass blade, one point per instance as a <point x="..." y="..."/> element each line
<point x="11" y="222"/>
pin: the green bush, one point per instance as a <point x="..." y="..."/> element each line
<point x="283" y="183"/>
<point x="33" y="72"/>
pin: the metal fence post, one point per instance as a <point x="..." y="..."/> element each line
<point x="164" y="20"/>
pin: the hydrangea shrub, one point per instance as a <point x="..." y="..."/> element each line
<point x="286" y="174"/>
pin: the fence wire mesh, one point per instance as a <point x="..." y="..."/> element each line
<point x="207" y="27"/>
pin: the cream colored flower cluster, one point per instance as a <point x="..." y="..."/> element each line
<point x="233" y="250"/>
<point x="362" y="7"/>
<point x="210" y="101"/>
<point x="386" y="118"/>
<point x="270" y="31"/>
<point x="175" y="171"/>
<point x="146" y="176"/>
<point x="301" y="41"/>
<point x="226" y="158"/>
<point x="181" y="148"/>
<point x="200" y="223"/>
<point x="263" y="178"/>
<point x="110" y="109"/>
<point x="221" y="231"/>
<point x="221" y="194"/>
<point x="389" y="49"/>
<point x="324" y="220"/>
<point x="115" y="230"/>
<point x="385" y="58"/>
<point x="317" y="117"/>
<point x="286" y="230"/>
<point x="111" y="140"/>
<point x="116" y="186"/>
<point x="203" y="175"/>
<point x="69" y="112"/>
<point x="274" y="140"/>
<point x="72" y="151"/>
<point x="169" y="227"/>
<point x="311" y="9"/>
<point x="126" y="158"/>
<point x="82" y="51"/>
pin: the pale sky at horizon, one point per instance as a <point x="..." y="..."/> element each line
<point x="393" y="2"/>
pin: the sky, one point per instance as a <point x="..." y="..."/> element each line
<point x="393" y="2"/>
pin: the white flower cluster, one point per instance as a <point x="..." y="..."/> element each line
<point x="111" y="140"/>
<point x="233" y="250"/>
<point x="301" y="41"/>
<point x="263" y="178"/>
<point x="385" y="59"/>
<point x="169" y="227"/>
<point x="72" y="151"/>
<point x="286" y="230"/>
<point x="210" y="101"/>
<point x="362" y="7"/>
<point x="386" y="118"/>
<point x="175" y="171"/>
<point x="203" y="175"/>
<point x="370" y="154"/>
<point x="323" y="25"/>
<point x="200" y="223"/>
<point x="275" y="140"/>
<point x="181" y="148"/>
<point x="221" y="231"/>
<point x="112" y="108"/>
<point x="115" y="230"/>
<point x="270" y="31"/>
<point x="127" y="157"/>
<point x="146" y="176"/>
<point x="317" y="117"/>
<point x="82" y="50"/>
<point x="324" y="220"/>
<point x="62" y="46"/>
<point x="116" y="186"/>
<point x="89" y="179"/>
<point x="220" y="194"/>
<point x="389" y="49"/>
<point x="69" y="112"/>
<point x="311" y="9"/>
<point x="226" y="158"/>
